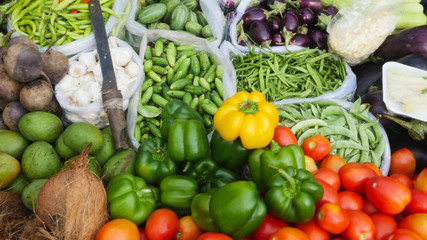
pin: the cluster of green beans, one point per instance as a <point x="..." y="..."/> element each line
<point x="46" y="21"/>
<point x="176" y="71"/>
<point x="352" y="134"/>
<point x="300" y="74"/>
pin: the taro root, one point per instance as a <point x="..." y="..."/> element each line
<point x="36" y="95"/>
<point x="55" y="65"/>
<point x="22" y="40"/>
<point x="22" y="62"/>
<point x="9" y="88"/>
<point x="12" y="113"/>
<point x="54" y="107"/>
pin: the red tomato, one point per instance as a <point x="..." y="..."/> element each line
<point x="354" y="175"/>
<point x="313" y="231"/>
<point x="330" y="195"/>
<point x="402" y="161"/>
<point x="162" y="224"/>
<point x="289" y="233"/>
<point x="284" y="136"/>
<point x="269" y="225"/>
<point x="118" y="229"/>
<point x="368" y="207"/>
<point x="387" y="194"/>
<point x="213" y="236"/>
<point x="360" y="227"/>
<point x="375" y="168"/>
<point x="332" y="218"/>
<point x="403" y="179"/>
<point x="418" y="203"/>
<point x="350" y="200"/>
<point x="187" y="229"/>
<point x="329" y="176"/>
<point x="333" y="162"/>
<point x="416" y="222"/>
<point x="421" y="182"/>
<point x="384" y="224"/>
<point x="316" y="147"/>
<point x="404" y="234"/>
<point x="142" y="235"/>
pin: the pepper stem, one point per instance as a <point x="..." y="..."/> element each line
<point x="416" y="128"/>
<point x="289" y="178"/>
<point x="248" y="107"/>
<point x="274" y="147"/>
<point x="187" y="166"/>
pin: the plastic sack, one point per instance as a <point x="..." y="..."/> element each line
<point x="229" y="78"/>
<point x="244" y="4"/>
<point x="359" y="28"/>
<point x="344" y="92"/>
<point x="94" y="113"/>
<point x="210" y="9"/>
<point x="81" y="45"/>
<point x="385" y="163"/>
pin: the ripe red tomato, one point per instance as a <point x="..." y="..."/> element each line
<point x="387" y="194"/>
<point x="284" y="136"/>
<point x="375" y="168"/>
<point x="118" y="229"/>
<point x="329" y="176"/>
<point x="330" y="195"/>
<point x="213" y="236"/>
<point x="350" y="200"/>
<point x="360" y="227"/>
<point x="368" y="207"/>
<point x="416" y="222"/>
<point x="187" y="229"/>
<point x="332" y="218"/>
<point x="333" y="162"/>
<point x="269" y="225"/>
<point x="402" y="161"/>
<point x="316" y="147"/>
<point x="384" y="225"/>
<point x="404" y="234"/>
<point x="354" y="175"/>
<point x="418" y="203"/>
<point x="162" y="224"/>
<point x="289" y="233"/>
<point x="313" y="231"/>
<point x="142" y="235"/>
<point x="403" y="179"/>
<point x="421" y="181"/>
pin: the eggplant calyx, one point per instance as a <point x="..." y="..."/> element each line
<point x="293" y="4"/>
<point x="287" y="36"/>
<point x="416" y="128"/>
<point x="276" y="9"/>
<point x="323" y="21"/>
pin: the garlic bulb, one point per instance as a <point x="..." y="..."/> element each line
<point x="76" y="69"/>
<point x="121" y="56"/>
<point x="88" y="59"/>
<point x="81" y="97"/>
<point x="132" y="69"/>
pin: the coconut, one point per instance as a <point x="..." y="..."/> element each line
<point x="13" y="215"/>
<point x="73" y="202"/>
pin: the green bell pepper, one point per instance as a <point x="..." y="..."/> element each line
<point x="156" y="194"/>
<point x="260" y="161"/>
<point x="200" y="169"/>
<point x="176" y="109"/>
<point x="176" y="193"/>
<point x="129" y="197"/>
<point x="187" y="141"/>
<point x="237" y="209"/>
<point x="217" y="178"/>
<point x="200" y="211"/>
<point x="292" y="195"/>
<point x="153" y="162"/>
<point x="231" y="155"/>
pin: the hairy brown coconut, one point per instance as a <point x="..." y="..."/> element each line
<point x="13" y="215"/>
<point x="73" y="202"/>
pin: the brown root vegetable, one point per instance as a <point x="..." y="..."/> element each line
<point x="55" y="65"/>
<point x="54" y="107"/>
<point x="13" y="215"/>
<point x="9" y="88"/>
<point x="73" y="202"/>
<point x="12" y="113"/>
<point x="22" y="62"/>
<point x="23" y="40"/>
<point x="36" y="95"/>
<point x="2" y="125"/>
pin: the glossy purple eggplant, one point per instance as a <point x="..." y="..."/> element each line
<point x="332" y="10"/>
<point x="290" y="11"/>
<point x="274" y="25"/>
<point x="277" y="40"/>
<point x="318" y="39"/>
<point x="314" y="5"/>
<point x="306" y="16"/>
<point x="253" y="8"/>
<point x="228" y="5"/>
<point x="300" y="40"/>
<point x="260" y="32"/>
<point x="290" y="22"/>
<point x="254" y="15"/>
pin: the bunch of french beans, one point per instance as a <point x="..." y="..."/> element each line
<point x="352" y="134"/>
<point x="300" y="74"/>
<point x="45" y="21"/>
<point x="174" y="71"/>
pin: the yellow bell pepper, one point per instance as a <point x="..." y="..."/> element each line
<point x="248" y="116"/>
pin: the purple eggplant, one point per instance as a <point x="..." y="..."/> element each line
<point x="274" y="25"/>
<point x="254" y="15"/>
<point x="228" y="5"/>
<point x="290" y="11"/>
<point x="318" y="39"/>
<point x="314" y="5"/>
<point x="409" y="41"/>
<point x="322" y="18"/>
<point x="300" y="40"/>
<point x="253" y="8"/>
<point x="290" y="22"/>
<point x="306" y="16"/>
<point x="278" y="40"/>
<point x="260" y="32"/>
<point x="332" y="10"/>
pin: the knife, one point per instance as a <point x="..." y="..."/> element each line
<point x="111" y="97"/>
